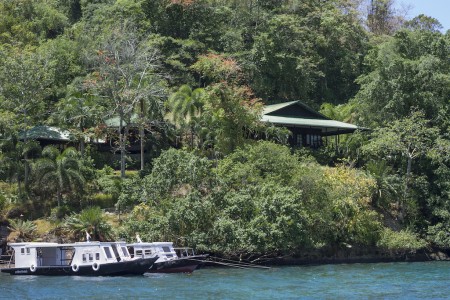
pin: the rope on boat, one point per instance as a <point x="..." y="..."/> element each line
<point x="229" y="265"/>
<point x="235" y="264"/>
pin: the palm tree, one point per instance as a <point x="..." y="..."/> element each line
<point x="185" y="107"/>
<point x="13" y="161"/>
<point x="80" y="111"/>
<point x="21" y="231"/>
<point x="90" y="220"/>
<point x="60" y="172"/>
<point x="387" y="184"/>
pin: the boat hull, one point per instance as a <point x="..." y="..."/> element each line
<point x="180" y="265"/>
<point x="133" y="267"/>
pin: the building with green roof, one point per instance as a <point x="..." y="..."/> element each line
<point x="308" y="127"/>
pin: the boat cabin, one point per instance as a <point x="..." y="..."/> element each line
<point x="31" y="255"/>
<point x="184" y="251"/>
<point x="164" y="250"/>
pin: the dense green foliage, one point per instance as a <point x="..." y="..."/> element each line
<point x="259" y="199"/>
<point x="183" y="83"/>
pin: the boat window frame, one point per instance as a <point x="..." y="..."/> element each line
<point x="124" y="251"/>
<point x="97" y="256"/>
<point x="108" y="252"/>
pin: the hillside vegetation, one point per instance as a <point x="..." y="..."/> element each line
<point x="184" y="82"/>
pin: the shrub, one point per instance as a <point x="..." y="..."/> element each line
<point x="21" y="231"/>
<point x="400" y="241"/>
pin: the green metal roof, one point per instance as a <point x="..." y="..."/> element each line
<point x="274" y="107"/>
<point x="295" y="109"/>
<point x="328" y="127"/>
<point x="292" y="114"/>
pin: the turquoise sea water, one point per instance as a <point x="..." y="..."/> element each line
<point x="429" y="280"/>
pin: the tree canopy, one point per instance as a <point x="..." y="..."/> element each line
<point x="170" y="93"/>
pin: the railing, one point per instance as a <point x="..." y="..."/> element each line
<point x="6" y="260"/>
<point x="184" y="251"/>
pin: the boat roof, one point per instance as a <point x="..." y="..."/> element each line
<point x="56" y="245"/>
<point x="153" y="244"/>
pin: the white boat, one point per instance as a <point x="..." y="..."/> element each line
<point x="170" y="259"/>
<point x="83" y="258"/>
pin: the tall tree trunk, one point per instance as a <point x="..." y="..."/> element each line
<point x="58" y="196"/>
<point x="142" y="133"/>
<point x="142" y="138"/>
<point x="82" y="143"/>
<point x="406" y="188"/>
<point x="25" y="157"/>
<point x="122" y="146"/>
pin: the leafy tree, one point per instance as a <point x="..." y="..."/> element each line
<point x="423" y="22"/>
<point x="287" y="61"/>
<point x="25" y="80"/>
<point x="127" y="75"/>
<point x="349" y="192"/>
<point x="175" y="172"/>
<point x="254" y="164"/>
<point x="308" y="50"/>
<point x="14" y="159"/>
<point x="381" y="18"/>
<point x="26" y="22"/>
<point x="131" y="193"/>
<point x="408" y="70"/>
<point x="59" y="172"/>
<point x="65" y="64"/>
<point x="410" y="137"/>
<point x="438" y="203"/>
<point x="80" y="111"/>
<point x="231" y="112"/>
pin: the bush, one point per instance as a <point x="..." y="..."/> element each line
<point x="400" y="241"/>
<point x="439" y="235"/>
<point x="57" y="213"/>
<point x="2" y="202"/>
<point x="21" y="231"/>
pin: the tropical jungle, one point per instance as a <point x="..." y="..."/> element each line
<point x="161" y="101"/>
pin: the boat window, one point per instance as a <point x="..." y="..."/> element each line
<point x="107" y="252"/>
<point x="22" y="250"/>
<point x="138" y="253"/>
<point x="97" y="256"/>
<point x="125" y="252"/>
<point x="91" y="257"/>
<point x="169" y="255"/>
<point x="84" y="257"/>
<point x="148" y="252"/>
<point x="166" y="249"/>
<point x="28" y="250"/>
